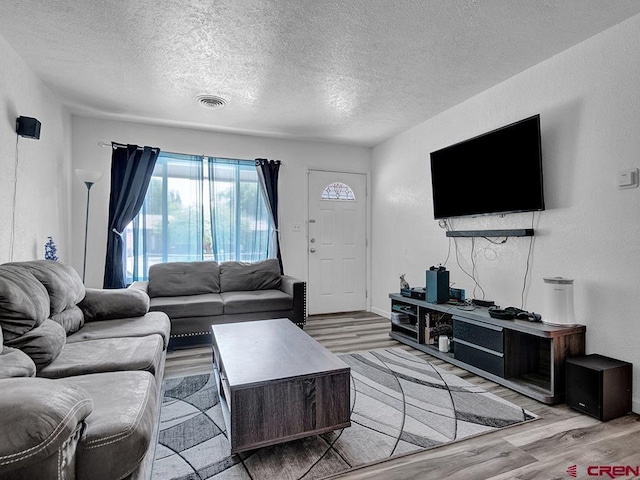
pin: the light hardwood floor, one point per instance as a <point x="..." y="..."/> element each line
<point x="542" y="449"/>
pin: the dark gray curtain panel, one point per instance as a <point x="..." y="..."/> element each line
<point x="268" y="172"/>
<point x="131" y="170"/>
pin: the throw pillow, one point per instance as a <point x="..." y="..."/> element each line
<point x="71" y="319"/>
<point x="183" y="278"/>
<point x="15" y="363"/>
<point x="99" y="304"/>
<point x="24" y="302"/>
<point x="63" y="284"/>
<point x="238" y="276"/>
<point x="43" y="344"/>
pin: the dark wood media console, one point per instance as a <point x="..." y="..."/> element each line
<point x="528" y="357"/>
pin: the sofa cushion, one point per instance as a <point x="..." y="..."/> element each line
<point x="238" y="276"/>
<point x="71" y="319"/>
<point x="256" y="301"/>
<point x="43" y="343"/>
<point x="183" y="278"/>
<point x="16" y="363"/>
<point x="24" y="302"/>
<point x="149" y="324"/>
<point x="107" y="355"/>
<point x="102" y="304"/>
<point x="63" y="284"/>
<point x="120" y="428"/>
<point x="203" y="305"/>
<point x="39" y="417"/>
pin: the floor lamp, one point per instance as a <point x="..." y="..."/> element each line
<point x="89" y="177"/>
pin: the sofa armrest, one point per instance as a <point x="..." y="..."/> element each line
<point x="141" y="285"/>
<point x="99" y="304"/>
<point x="298" y="289"/>
<point x="41" y="422"/>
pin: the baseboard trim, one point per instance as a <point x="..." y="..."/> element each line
<point x="382" y="313"/>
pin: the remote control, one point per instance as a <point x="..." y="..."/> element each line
<point x="483" y="303"/>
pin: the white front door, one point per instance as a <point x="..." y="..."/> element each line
<point x="336" y="242"/>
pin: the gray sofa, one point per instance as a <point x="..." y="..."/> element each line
<point x="80" y="376"/>
<point x="196" y="295"/>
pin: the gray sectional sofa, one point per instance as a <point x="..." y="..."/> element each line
<point x="80" y="376"/>
<point x="196" y="295"/>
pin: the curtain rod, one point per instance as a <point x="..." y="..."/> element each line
<point x="102" y="143"/>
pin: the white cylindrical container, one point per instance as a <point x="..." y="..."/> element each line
<point x="558" y="302"/>
<point x="444" y="343"/>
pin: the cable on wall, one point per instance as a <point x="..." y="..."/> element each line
<point x="15" y="196"/>
<point x="528" y="264"/>
<point x="448" y="226"/>
<point x="474" y="273"/>
<point x="471" y="275"/>
<point x="27" y="127"/>
<point x="445" y="225"/>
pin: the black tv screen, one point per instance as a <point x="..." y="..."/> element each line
<point x="494" y="173"/>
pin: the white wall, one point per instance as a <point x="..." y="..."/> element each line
<point x="296" y="157"/>
<point x="42" y="198"/>
<point x="589" y="104"/>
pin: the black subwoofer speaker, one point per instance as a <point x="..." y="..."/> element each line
<point x="599" y="386"/>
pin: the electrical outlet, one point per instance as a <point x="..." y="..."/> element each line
<point x="628" y="178"/>
<point x="297" y="227"/>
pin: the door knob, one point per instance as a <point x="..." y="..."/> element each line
<point x="312" y="250"/>
<point x="312" y="240"/>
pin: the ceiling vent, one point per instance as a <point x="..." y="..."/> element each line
<point x="211" y="101"/>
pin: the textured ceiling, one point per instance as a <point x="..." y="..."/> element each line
<point x="345" y="71"/>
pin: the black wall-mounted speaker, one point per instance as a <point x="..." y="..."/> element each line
<point x="28" y="127"/>
<point x="599" y="386"/>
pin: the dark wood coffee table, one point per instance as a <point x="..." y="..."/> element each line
<point x="276" y="383"/>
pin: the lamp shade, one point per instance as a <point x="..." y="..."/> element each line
<point x="88" y="176"/>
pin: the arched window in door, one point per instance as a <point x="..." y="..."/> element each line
<point x="338" y="191"/>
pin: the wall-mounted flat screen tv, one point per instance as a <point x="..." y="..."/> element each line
<point x="494" y="173"/>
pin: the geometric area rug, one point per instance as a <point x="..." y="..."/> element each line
<point x="399" y="404"/>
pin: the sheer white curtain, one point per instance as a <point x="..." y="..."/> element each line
<point x="198" y="208"/>
<point x="240" y="223"/>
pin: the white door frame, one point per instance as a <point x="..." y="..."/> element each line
<point x="367" y="253"/>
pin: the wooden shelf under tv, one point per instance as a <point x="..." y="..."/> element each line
<point x="527" y="357"/>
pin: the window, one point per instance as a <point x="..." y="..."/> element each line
<point x="338" y="191"/>
<point x="199" y="208"/>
